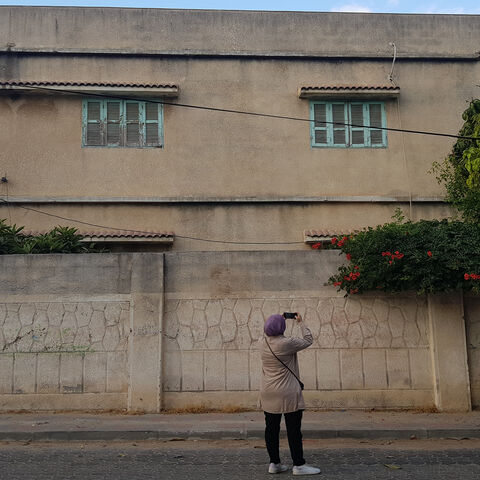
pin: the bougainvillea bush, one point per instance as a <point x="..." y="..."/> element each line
<point x="428" y="256"/>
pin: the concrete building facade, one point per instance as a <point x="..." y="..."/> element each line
<point x="208" y="174"/>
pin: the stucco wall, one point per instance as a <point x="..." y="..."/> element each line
<point x="172" y="31"/>
<point x="71" y="326"/>
<point x="216" y="170"/>
<point x="148" y="331"/>
<point x="365" y="350"/>
<point x="472" y="321"/>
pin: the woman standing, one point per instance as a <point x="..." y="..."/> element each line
<point x="281" y="392"/>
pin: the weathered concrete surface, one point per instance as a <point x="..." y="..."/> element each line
<point x="181" y="330"/>
<point x="472" y="325"/>
<point x="123" y="30"/>
<point x="215" y="181"/>
<point x="222" y="273"/>
<point x="328" y="424"/>
<point x="93" y="274"/>
<point x="451" y="379"/>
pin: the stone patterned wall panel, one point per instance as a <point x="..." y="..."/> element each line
<point x="48" y="368"/>
<point x="6" y="373"/>
<point x="71" y="373"/>
<point x="64" y="327"/>
<point x="117" y="372"/>
<point x="237" y="370"/>
<point x="351" y="369"/>
<point x="375" y="369"/>
<point x="192" y="371"/>
<point x="398" y="369"/>
<point x="346" y="326"/>
<point x="172" y="373"/>
<point x="24" y="374"/>
<point x="472" y="324"/>
<point x="421" y="368"/>
<point x="308" y="368"/>
<point x="95" y="372"/>
<point x="255" y="369"/>
<point x="215" y="371"/>
<point x="328" y="370"/>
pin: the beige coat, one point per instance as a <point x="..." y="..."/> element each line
<point x="280" y="391"/>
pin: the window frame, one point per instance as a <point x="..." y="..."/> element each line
<point x="122" y="122"/>
<point x="329" y="128"/>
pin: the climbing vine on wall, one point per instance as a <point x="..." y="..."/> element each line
<point x="460" y="171"/>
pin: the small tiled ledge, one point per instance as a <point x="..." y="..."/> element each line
<point x="349" y="91"/>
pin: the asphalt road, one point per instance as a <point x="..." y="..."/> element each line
<point x="208" y="460"/>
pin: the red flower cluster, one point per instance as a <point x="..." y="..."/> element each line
<point x="349" y="257"/>
<point x="353" y="291"/>
<point x="393" y="256"/>
<point x="316" y="246"/>
<point x="471" y="276"/>
<point x="429" y="253"/>
<point x="337" y="284"/>
<point x="351" y="276"/>
<point x="339" y="243"/>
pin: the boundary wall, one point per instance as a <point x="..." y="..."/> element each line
<point x="149" y="331"/>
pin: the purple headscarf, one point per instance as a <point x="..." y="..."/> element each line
<point x="275" y="325"/>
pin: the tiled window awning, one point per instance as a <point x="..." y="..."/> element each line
<point x="124" y="89"/>
<point x="324" y="235"/>
<point x="117" y="236"/>
<point x="349" y="91"/>
<point x="128" y="237"/>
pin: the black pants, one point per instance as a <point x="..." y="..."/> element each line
<point x="293" y="422"/>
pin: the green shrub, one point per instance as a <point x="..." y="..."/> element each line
<point x="460" y="171"/>
<point x="57" y="240"/>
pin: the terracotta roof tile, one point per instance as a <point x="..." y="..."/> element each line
<point x="350" y="87"/>
<point x="105" y="234"/>
<point x="18" y="83"/>
<point x="327" y="232"/>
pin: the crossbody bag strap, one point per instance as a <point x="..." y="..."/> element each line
<point x="301" y="383"/>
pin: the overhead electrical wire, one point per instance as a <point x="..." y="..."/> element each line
<point x="74" y="220"/>
<point x="214" y="109"/>
<point x="245" y="112"/>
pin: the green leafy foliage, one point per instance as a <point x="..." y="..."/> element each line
<point x="57" y="240"/>
<point x="428" y="256"/>
<point x="460" y="172"/>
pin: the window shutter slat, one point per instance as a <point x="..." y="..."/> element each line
<point x="347" y="124"/>
<point x="357" y="116"/>
<point x="93" y="111"/>
<point x="320" y="136"/>
<point x="94" y="134"/>
<point x="338" y="118"/>
<point x="114" y="123"/>
<point x="358" y="137"/>
<point x="113" y="111"/>
<point x="338" y="112"/>
<point x="132" y="112"/>
<point x="133" y="134"/>
<point x="151" y="134"/>
<point x="357" y="121"/>
<point x="113" y="133"/>
<point x="320" y="115"/>
<point x="151" y="111"/>
<point x="376" y="136"/>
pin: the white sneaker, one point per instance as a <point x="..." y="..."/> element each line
<point x="277" y="468"/>
<point x="305" y="470"/>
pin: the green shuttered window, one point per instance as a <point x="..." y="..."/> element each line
<point x="122" y="123"/>
<point x="348" y="124"/>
